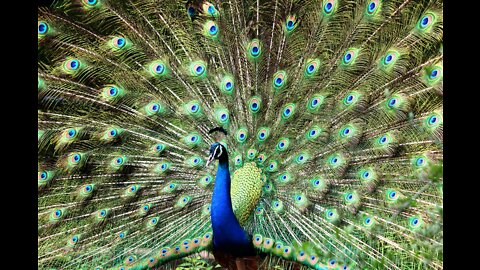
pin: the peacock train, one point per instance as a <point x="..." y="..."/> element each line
<point x="255" y="134"/>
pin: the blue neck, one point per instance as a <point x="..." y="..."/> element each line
<point x="228" y="235"/>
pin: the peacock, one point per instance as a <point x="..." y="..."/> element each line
<point x="266" y="134"/>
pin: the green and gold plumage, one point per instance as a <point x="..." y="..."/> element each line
<point x="334" y="114"/>
<point x="246" y="190"/>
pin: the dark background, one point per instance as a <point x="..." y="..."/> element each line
<point x="44" y="3"/>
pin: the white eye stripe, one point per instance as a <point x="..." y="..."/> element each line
<point x="214" y="152"/>
<point x="220" y="150"/>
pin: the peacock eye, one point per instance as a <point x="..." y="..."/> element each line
<point x="328" y="7"/>
<point x="58" y="213"/>
<point x="73" y="64"/>
<point x="255" y="50"/>
<point x="103" y="213"/>
<point x="368" y="220"/>
<point x="347" y="57"/>
<point x="279" y="79"/>
<point x="113" y="91"/>
<point x="349" y="196"/>
<point x="424" y="22"/>
<point x="210" y="29"/>
<point x="241" y="135"/>
<point x="159" y="68"/>
<point x="76" y="158"/>
<point x="43" y="175"/>
<point x="392" y="102"/>
<point x="211" y="9"/>
<point x="194" y="108"/>
<point x="312" y="258"/>
<point x="433" y="74"/>
<point x="288" y="111"/>
<point x="332" y="262"/>
<point x="119" y="160"/>
<point x="120" y="42"/>
<point x="349" y="99"/>
<point x="191" y="11"/>
<point x="74" y="239"/>
<point x="199" y="69"/>
<point x="213" y="29"/>
<point x="392" y="194"/>
<point x="310" y="68"/>
<point x="71" y="133"/>
<point x="88" y="188"/>
<point x="388" y="58"/>
<point x="290" y="24"/>
<point x="420" y="161"/>
<point x="113" y="132"/>
<point x="42" y="28"/>
<point x="415" y="223"/>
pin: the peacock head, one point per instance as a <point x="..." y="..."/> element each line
<point x="217" y="151"/>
